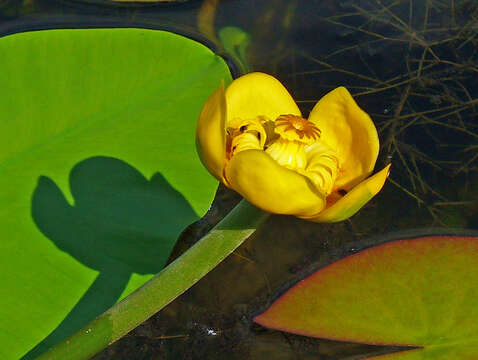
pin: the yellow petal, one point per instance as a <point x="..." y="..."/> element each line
<point x="211" y="135"/>
<point x="271" y="187"/>
<point x="353" y="201"/>
<point x="257" y="94"/>
<point x="349" y="131"/>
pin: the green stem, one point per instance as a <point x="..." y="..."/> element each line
<point x="163" y="288"/>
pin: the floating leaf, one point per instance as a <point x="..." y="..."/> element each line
<point x="418" y="292"/>
<point x="98" y="171"/>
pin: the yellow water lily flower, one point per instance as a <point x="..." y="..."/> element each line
<point x="253" y="138"/>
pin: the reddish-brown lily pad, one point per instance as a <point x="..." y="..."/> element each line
<point x="420" y="292"/>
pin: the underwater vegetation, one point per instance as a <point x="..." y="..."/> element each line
<point x="415" y="64"/>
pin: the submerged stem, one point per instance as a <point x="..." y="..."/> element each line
<point x="163" y="288"/>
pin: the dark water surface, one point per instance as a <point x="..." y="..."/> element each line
<point x="413" y="65"/>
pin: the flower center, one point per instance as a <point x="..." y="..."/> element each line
<point x="296" y="128"/>
<point x="292" y="141"/>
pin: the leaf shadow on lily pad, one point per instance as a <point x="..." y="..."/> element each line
<point x="120" y="224"/>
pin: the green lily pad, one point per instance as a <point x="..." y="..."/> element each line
<point x="98" y="171"/>
<point x="417" y="292"/>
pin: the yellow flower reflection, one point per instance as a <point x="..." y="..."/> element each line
<point x="253" y="138"/>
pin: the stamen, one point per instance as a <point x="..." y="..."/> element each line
<point x="244" y="135"/>
<point x="322" y="166"/>
<point x="290" y="154"/>
<point x="245" y="141"/>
